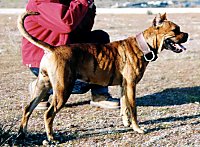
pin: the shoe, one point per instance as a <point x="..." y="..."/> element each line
<point x="109" y="103"/>
<point x="43" y="105"/>
<point x="31" y="87"/>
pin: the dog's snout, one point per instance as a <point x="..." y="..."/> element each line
<point x="184" y="38"/>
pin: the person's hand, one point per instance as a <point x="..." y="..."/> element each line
<point x="87" y="22"/>
<point x="91" y="3"/>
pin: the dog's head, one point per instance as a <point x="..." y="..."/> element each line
<point x="166" y="35"/>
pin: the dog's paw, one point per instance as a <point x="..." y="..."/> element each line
<point x="138" y="129"/>
<point x="20" y="135"/>
<point x="126" y="121"/>
<point x="50" y="143"/>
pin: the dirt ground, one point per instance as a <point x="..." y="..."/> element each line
<point x="168" y="96"/>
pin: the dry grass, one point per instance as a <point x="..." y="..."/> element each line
<point x="167" y="97"/>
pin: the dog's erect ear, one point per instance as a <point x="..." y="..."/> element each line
<point x="155" y="22"/>
<point x="163" y="17"/>
<point x="159" y="20"/>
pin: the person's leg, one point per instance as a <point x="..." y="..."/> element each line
<point x="100" y="94"/>
<point x="80" y="87"/>
<point x="44" y="104"/>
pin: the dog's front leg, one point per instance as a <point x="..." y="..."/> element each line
<point x="128" y="107"/>
<point x="124" y="112"/>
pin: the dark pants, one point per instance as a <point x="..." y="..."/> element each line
<point x="97" y="36"/>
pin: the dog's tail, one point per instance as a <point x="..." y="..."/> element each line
<point x="20" y="24"/>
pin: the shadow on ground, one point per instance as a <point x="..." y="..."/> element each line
<point x="69" y="105"/>
<point x="65" y="136"/>
<point x="167" y="97"/>
<point x="171" y="96"/>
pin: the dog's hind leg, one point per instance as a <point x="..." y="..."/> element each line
<point x="41" y="88"/>
<point x="62" y="90"/>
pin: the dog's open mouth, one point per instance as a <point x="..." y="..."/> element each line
<point x="175" y="47"/>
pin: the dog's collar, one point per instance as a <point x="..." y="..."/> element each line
<point x="149" y="55"/>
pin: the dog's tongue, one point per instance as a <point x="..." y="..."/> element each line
<point x="180" y="47"/>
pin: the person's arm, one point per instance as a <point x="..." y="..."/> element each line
<point x="87" y="22"/>
<point x="61" y="18"/>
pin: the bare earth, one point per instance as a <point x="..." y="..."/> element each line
<point x="168" y="96"/>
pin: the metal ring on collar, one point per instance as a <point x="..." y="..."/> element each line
<point x="148" y="55"/>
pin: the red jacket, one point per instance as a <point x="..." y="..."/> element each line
<point x="53" y="25"/>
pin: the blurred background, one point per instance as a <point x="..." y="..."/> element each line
<point x="117" y="3"/>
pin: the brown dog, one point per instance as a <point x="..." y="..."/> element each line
<point x="117" y="63"/>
